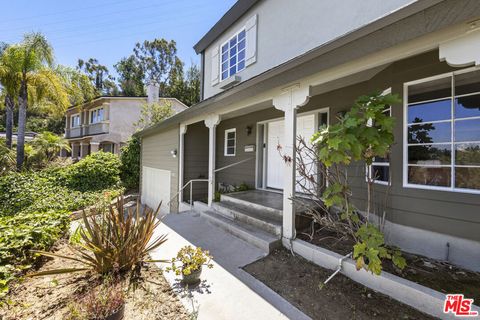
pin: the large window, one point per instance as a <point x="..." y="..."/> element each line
<point x="75" y="120"/>
<point x="442" y="134"/>
<point x="230" y="142"/>
<point x="97" y="115"/>
<point x="233" y="55"/>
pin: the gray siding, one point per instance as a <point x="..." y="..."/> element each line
<point x="156" y="154"/>
<point x="196" y="160"/>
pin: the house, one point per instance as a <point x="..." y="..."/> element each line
<point x="106" y="123"/>
<point x="272" y="71"/>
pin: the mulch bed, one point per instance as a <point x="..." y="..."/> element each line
<point x="301" y="283"/>
<point x="52" y="297"/>
<point x="437" y="275"/>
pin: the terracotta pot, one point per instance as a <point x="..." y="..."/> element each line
<point x="192" y="278"/>
<point x="117" y="315"/>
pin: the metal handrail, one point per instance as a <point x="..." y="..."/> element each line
<point x="233" y="164"/>
<point x="190" y="182"/>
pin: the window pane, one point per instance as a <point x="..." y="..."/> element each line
<point x="225" y="75"/>
<point x="429" y="176"/>
<point x="241" y="45"/>
<point x="467" y="83"/>
<point x="467" y="130"/>
<point x="224" y="57"/>
<point x="430" y="111"/>
<point x="430" y="154"/>
<point x="468" y="178"/>
<point x="241" y="35"/>
<point x="231" y="135"/>
<point x="467" y="106"/>
<point x="430" y="90"/>
<point x="230" y="143"/>
<point x="225" y="66"/>
<point x="380" y="173"/>
<point x="241" y="55"/>
<point x="233" y="51"/>
<point x="380" y="159"/>
<point x="230" y="150"/>
<point x="430" y="132"/>
<point x="232" y="71"/>
<point x="225" y="48"/>
<point x="233" y="61"/>
<point x="467" y="154"/>
<point x="241" y="65"/>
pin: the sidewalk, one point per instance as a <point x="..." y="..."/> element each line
<point x="226" y="291"/>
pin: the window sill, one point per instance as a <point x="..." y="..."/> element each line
<point x="230" y="82"/>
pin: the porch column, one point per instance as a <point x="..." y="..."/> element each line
<point x="94" y="146"/>
<point x="83" y="149"/>
<point x="288" y="101"/>
<point x="211" y="122"/>
<point x="75" y="147"/>
<point x="181" y="146"/>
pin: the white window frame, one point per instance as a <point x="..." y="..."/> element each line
<point x="71" y="120"/>
<point x="220" y="55"/>
<point x="225" y="152"/>
<point x="96" y="110"/>
<point x="450" y="75"/>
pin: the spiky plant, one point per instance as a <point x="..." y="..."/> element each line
<point x="113" y="240"/>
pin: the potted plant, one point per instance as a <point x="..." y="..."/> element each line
<point x="189" y="262"/>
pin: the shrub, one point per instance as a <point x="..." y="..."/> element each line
<point x="100" y="170"/>
<point x="113" y="241"/>
<point x="130" y="164"/>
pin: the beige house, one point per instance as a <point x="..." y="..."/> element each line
<point x="106" y="123"/>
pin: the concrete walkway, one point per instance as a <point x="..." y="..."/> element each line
<point x="226" y="291"/>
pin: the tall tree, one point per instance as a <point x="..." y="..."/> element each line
<point x="130" y="77"/>
<point x="99" y="75"/>
<point x="9" y="83"/>
<point x="33" y="59"/>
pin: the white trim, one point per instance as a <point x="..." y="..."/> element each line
<point x="90" y="112"/>
<point x="225" y="143"/>
<point x="452" y="143"/>
<point x="220" y="54"/>
<point x="79" y="120"/>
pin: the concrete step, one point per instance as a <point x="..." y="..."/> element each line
<point x="260" y="219"/>
<point x="259" y="238"/>
<point x="250" y="205"/>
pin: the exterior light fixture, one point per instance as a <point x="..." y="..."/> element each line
<point x="174" y="153"/>
<point x="248" y="130"/>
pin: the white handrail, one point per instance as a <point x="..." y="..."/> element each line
<point x="190" y="182"/>
<point x="233" y="164"/>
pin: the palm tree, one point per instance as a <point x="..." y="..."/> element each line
<point x="50" y="145"/>
<point x="9" y="82"/>
<point x="33" y="61"/>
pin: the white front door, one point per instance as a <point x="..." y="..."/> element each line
<point x="275" y="137"/>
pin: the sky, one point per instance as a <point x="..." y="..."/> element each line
<point x="108" y="29"/>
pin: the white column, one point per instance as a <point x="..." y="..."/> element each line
<point x="288" y="101"/>
<point x="211" y="122"/>
<point x="181" y="164"/>
<point x="84" y="149"/>
<point x="94" y="147"/>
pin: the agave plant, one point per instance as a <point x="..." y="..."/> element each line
<point x="113" y="239"/>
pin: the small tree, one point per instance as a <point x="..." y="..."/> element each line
<point x="153" y="113"/>
<point x="130" y="163"/>
<point x="363" y="133"/>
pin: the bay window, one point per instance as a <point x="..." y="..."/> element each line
<point x="442" y="133"/>
<point x="97" y="115"/>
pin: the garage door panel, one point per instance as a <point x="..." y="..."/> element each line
<point x="156" y="188"/>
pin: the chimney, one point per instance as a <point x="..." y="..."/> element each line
<point x="153" y="92"/>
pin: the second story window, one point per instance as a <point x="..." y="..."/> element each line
<point x="75" y="120"/>
<point x="233" y="55"/>
<point x="97" y="115"/>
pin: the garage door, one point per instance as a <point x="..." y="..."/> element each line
<point x="156" y="188"/>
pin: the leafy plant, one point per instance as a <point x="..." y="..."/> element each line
<point x="363" y="133"/>
<point x="189" y="260"/>
<point x="112" y="240"/>
<point x="130" y="163"/>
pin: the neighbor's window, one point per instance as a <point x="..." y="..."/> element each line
<point x="380" y="167"/>
<point x="75" y="120"/>
<point x="233" y="55"/>
<point x="230" y="142"/>
<point x="443" y="132"/>
<point x="96" y="115"/>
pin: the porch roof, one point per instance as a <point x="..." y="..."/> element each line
<point x="407" y="23"/>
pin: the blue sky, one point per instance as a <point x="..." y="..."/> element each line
<point x="109" y="29"/>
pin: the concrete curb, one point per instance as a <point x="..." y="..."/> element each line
<point x="417" y="296"/>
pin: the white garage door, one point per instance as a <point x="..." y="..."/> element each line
<point x="156" y="188"/>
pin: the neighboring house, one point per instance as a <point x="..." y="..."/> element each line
<point x="272" y="70"/>
<point x="106" y="123"/>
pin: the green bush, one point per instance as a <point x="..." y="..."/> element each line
<point x="130" y="164"/>
<point x="100" y="170"/>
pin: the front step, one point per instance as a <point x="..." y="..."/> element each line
<point x="265" y="221"/>
<point x="259" y="238"/>
<point x="250" y="205"/>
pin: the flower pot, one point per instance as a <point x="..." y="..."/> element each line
<point x="193" y="277"/>
<point x="117" y="315"/>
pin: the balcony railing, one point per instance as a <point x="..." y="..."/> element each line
<point x="86" y="130"/>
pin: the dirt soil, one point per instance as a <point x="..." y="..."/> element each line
<point x="438" y="275"/>
<point x="52" y="297"/>
<point x="301" y="283"/>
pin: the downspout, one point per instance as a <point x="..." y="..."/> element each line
<point x="339" y="267"/>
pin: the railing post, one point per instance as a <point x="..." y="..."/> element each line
<point x="191" y="194"/>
